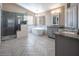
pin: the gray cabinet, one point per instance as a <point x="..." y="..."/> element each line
<point x="66" y="46"/>
<point x="51" y="30"/>
<point x="0" y="21"/>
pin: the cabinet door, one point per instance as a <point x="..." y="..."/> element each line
<point x="0" y="21"/>
<point x="78" y="16"/>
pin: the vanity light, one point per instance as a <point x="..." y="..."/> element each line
<point x="56" y="11"/>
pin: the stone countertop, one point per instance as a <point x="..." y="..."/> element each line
<point x="69" y="34"/>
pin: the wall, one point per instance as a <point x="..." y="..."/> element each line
<point x="42" y="20"/>
<point x="62" y="17"/>
<point x="30" y="20"/>
<point x="12" y="7"/>
<point x="71" y="13"/>
<point x="15" y="8"/>
<point x="34" y="20"/>
<point x="39" y="20"/>
<point x="48" y="16"/>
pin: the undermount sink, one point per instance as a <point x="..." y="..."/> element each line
<point x="69" y="32"/>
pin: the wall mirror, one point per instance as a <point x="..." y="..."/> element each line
<point x="55" y="20"/>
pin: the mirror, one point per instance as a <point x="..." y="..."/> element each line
<point x="55" y="19"/>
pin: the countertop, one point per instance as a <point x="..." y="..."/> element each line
<point x="70" y="35"/>
<point x="70" y="31"/>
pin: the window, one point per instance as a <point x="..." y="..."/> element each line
<point x="30" y="20"/>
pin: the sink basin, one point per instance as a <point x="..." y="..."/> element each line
<point x="69" y="32"/>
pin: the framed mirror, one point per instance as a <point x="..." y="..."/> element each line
<point x="55" y="20"/>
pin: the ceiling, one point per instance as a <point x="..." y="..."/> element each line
<point x="40" y="7"/>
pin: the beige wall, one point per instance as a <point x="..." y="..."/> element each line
<point x="16" y="8"/>
<point x="62" y="17"/>
<point x="48" y="16"/>
<point x="71" y="15"/>
<point x="34" y="20"/>
<point x="12" y="7"/>
<point x="42" y="20"/>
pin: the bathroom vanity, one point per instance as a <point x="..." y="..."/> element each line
<point x="66" y="44"/>
<point x="52" y="29"/>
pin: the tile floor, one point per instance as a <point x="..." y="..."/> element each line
<point x="30" y="45"/>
